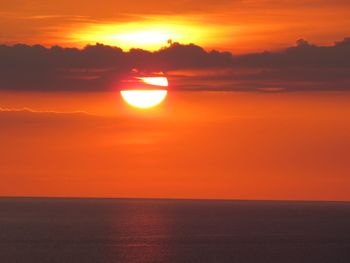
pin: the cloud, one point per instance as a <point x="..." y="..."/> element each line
<point x="28" y="117"/>
<point x="303" y="54"/>
<point x="99" y="67"/>
<point x="29" y="110"/>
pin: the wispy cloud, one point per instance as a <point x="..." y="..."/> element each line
<point x="25" y="109"/>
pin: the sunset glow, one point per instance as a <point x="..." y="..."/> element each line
<point x="175" y="131"/>
<point x="150" y="35"/>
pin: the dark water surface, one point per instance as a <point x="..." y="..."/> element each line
<point x="143" y="230"/>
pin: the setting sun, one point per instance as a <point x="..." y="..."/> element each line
<point x="140" y="92"/>
<point x="143" y="98"/>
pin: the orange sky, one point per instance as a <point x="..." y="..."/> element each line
<point x="292" y="143"/>
<point x="238" y="26"/>
<point x="195" y="145"/>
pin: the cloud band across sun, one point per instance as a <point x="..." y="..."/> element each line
<point x="302" y="67"/>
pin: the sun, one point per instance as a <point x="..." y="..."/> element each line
<point x="144" y="98"/>
<point x="140" y="92"/>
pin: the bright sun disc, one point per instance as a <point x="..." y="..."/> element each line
<point x="157" y="81"/>
<point x="144" y="98"/>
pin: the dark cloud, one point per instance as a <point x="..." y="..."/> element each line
<point x="303" y="54"/>
<point x="99" y="67"/>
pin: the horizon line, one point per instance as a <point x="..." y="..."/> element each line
<point x="173" y="199"/>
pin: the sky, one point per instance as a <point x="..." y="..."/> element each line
<point x="257" y="104"/>
<point x="239" y="26"/>
<point x="194" y="145"/>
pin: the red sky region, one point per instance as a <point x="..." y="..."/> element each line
<point x="195" y="145"/>
<point x="64" y="130"/>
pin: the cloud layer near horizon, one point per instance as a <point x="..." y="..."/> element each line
<point x="190" y="67"/>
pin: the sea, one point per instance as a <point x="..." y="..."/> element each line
<point x="74" y="230"/>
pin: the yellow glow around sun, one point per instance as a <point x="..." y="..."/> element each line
<point x="150" y="35"/>
<point x="144" y="98"/>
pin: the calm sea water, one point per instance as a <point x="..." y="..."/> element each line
<point x="37" y="230"/>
